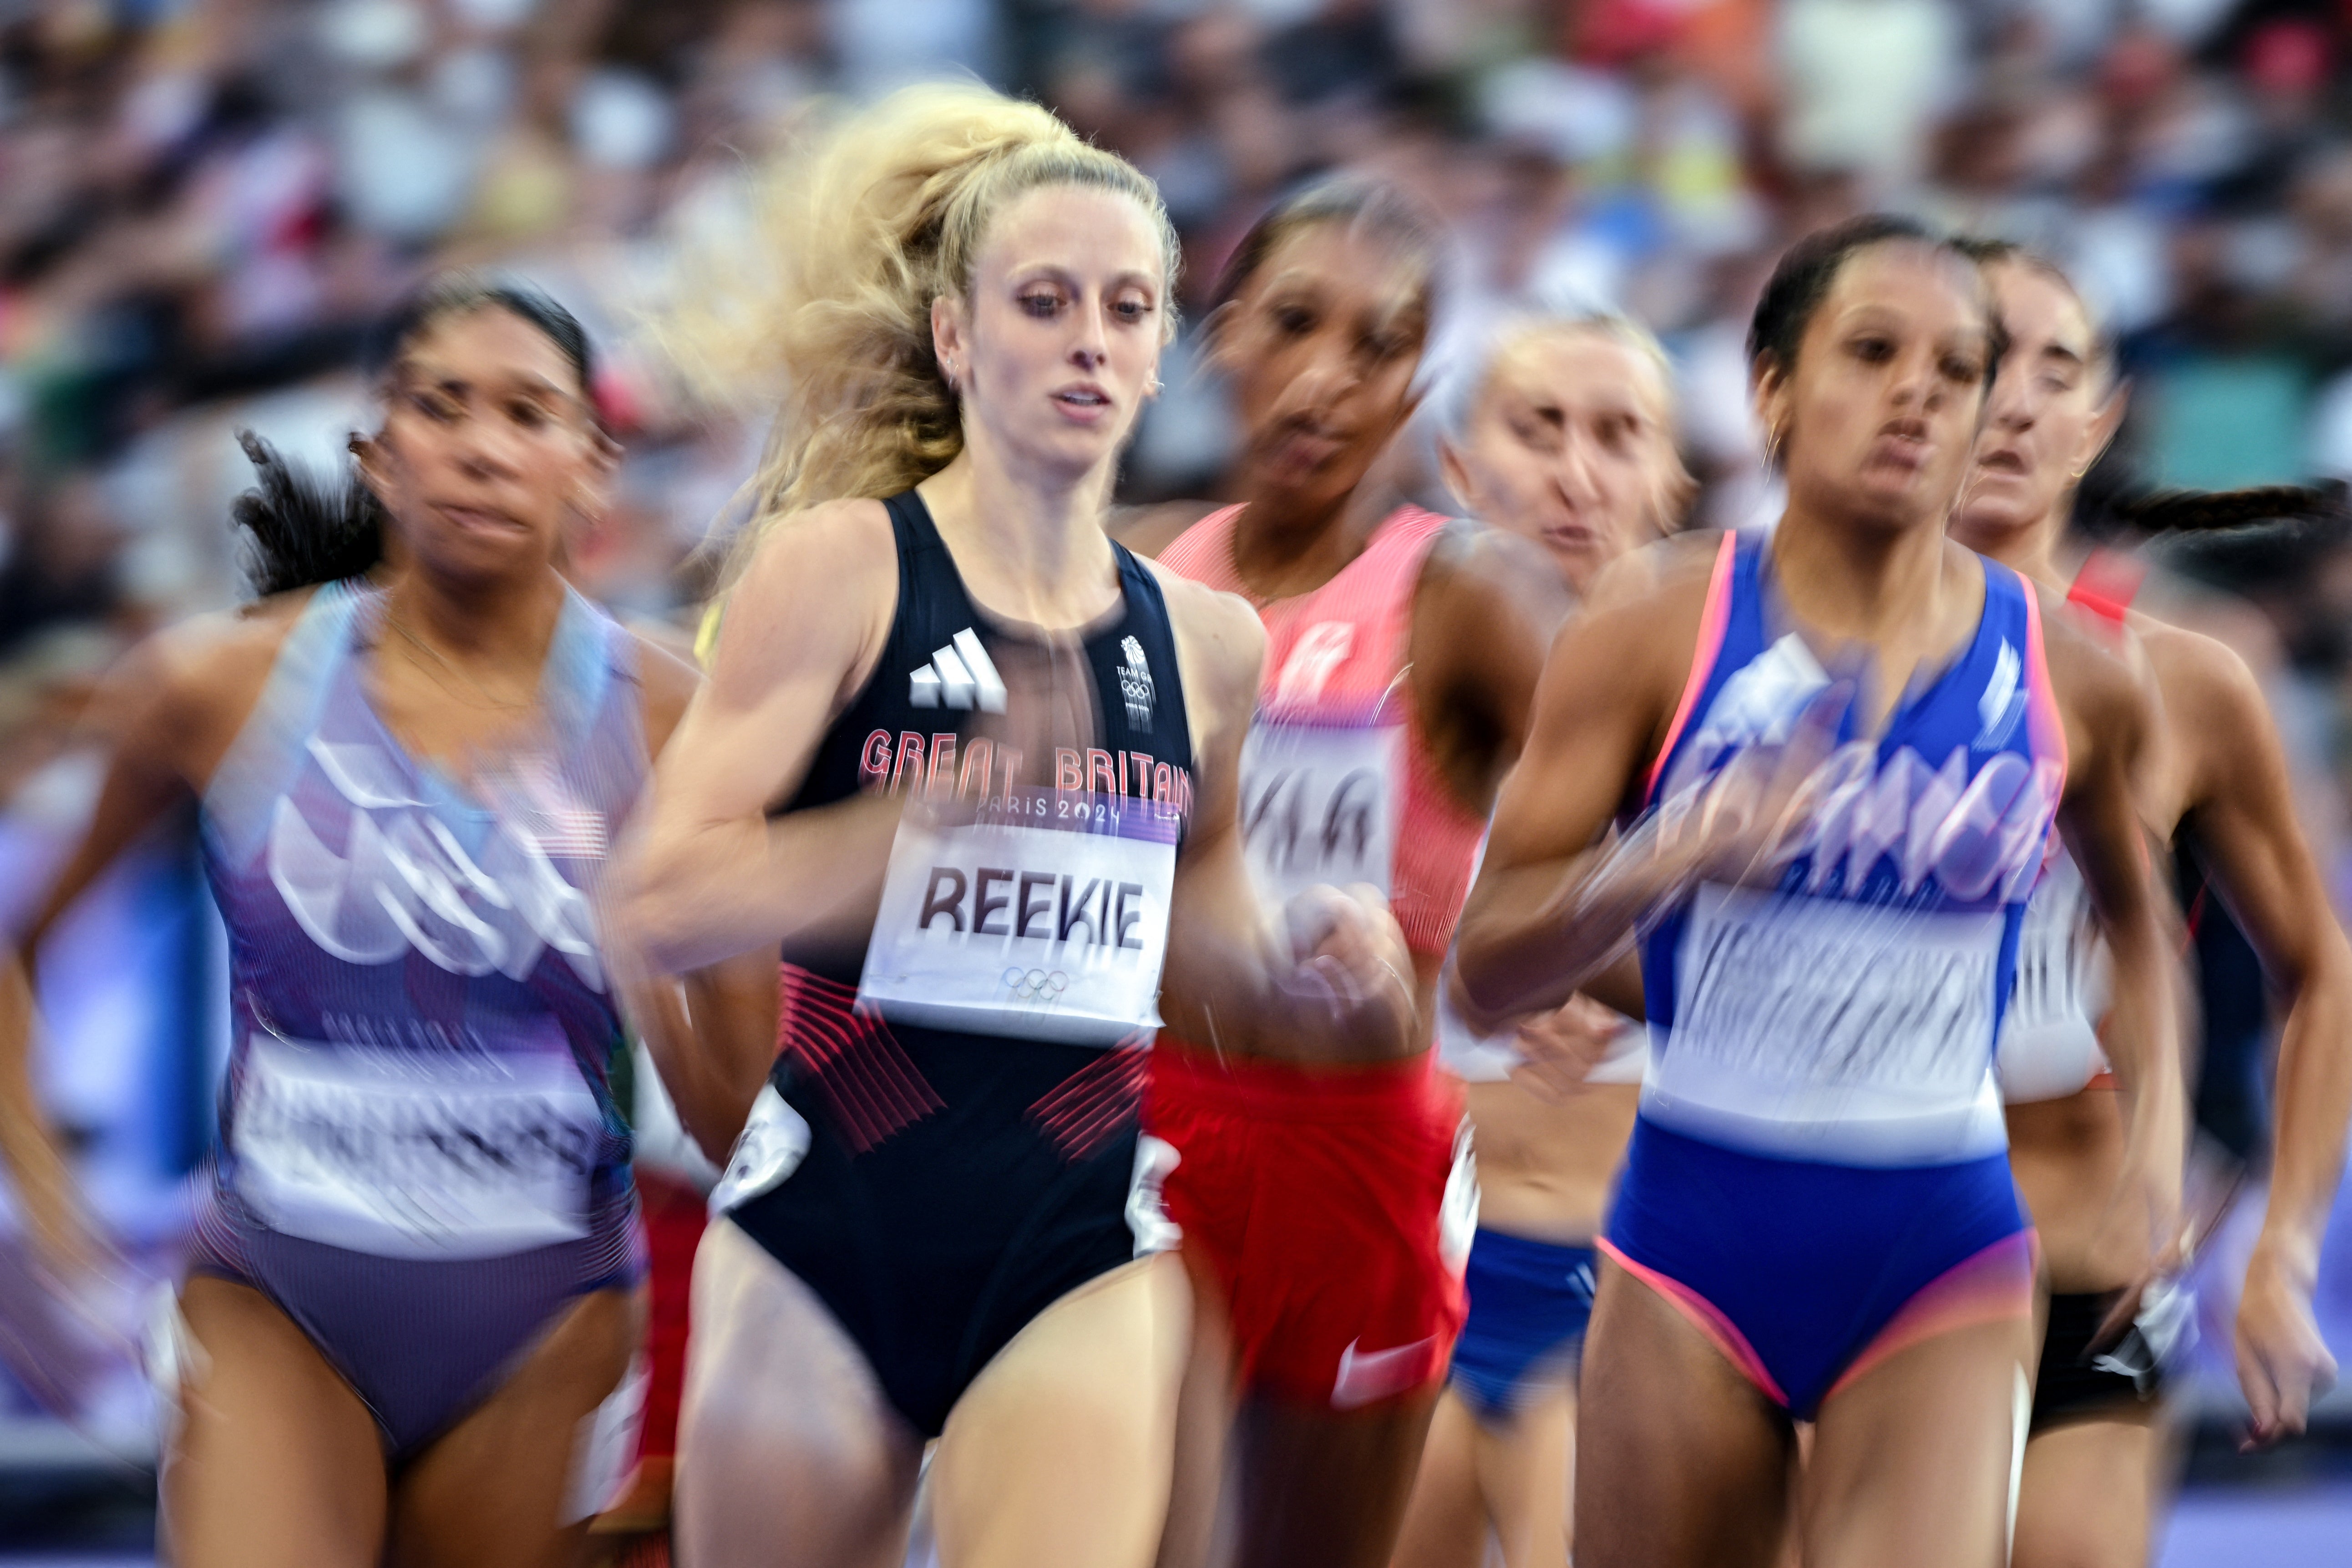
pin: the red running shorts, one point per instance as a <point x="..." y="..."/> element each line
<point x="1333" y="1206"/>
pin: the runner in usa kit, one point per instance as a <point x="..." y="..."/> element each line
<point x="1841" y="747"/>
<point x="415" y="1266"/>
<point x="973" y="767"/>
<point x="1326" y="1197"/>
<point x="1559" y="430"/>
<point x="2217" y="779"/>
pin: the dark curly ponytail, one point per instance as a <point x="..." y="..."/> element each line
<point x="301" y="529"/>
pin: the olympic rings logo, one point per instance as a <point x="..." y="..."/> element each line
<point x="1036" y="985"/>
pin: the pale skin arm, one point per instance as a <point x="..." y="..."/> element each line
<point x="2108" y="716"/>
<point x="709" y="874"/>
<point x="2243" y="818"/>
<point x="712" y="1032"/>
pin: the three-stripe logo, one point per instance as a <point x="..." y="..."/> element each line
<point x="960" y="675"/>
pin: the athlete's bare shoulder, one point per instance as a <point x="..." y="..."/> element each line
<point x="2106" y="690"/>
<point x="848" y="533"/>
<point x="2214" y="704"/>
<point x="1677" y="565"/>
<point x="178" y="699"/>
<point x="1149" y="530"/>
<point x="667" y="682"/>
<point x="1480" y="570"/>
<point x="1217" y="633"/>
<point x="820" y="588"/>
<point x="2168" y="599"/>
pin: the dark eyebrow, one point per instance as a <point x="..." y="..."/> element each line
<point x="2061" y="353"/>
<point x="530" y="383"/>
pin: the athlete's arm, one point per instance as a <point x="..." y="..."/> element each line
<point x="1242" y="977"/>
<point x="164" y="717"/>
<point x="1539" y="923"/>
<point x="712" y="1032"/>
<point x="708" y="874"/>
<point x="1483" y="613"/>
<point x="2241" y="816"/>
<point x="2109" y="717"/>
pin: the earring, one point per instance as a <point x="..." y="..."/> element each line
<point x="1156" y="387"/>
<point x="1773" y="448"/>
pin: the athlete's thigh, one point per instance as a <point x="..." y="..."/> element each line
<point x="1199" y="1532"/>
<point x="1680" y="1461"/>
<point x="496" y="1488"/>
<point x="1523" y="1473"/>
<point x="1445" y="1521"/>
<point x="2086" y="1495"/>
<point x="788" y="1451"/>
<point x="1911" y="1461"/>
<point x="275" y="1461"/>
<point x="1061" y="1450"/>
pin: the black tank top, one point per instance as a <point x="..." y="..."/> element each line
<point x="925" y="717"/>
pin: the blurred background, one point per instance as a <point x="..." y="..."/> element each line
<point x="203" y="204"/>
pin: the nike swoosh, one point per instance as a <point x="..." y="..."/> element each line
<point x="1371" y="1375"/>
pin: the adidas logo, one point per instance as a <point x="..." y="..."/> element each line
<point x="959" y="675"/>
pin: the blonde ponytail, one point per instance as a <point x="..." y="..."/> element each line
<point x="826" y="302"/>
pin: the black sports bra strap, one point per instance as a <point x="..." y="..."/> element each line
<point x="1136" y="579"/>
<point x="910" y="520"/>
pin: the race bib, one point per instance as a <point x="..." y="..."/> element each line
<point x="390" y="1154"/>
<point x="1319" y="805"/>
<point x="1042" y="914"/>
<point x="1847" y="1023"/>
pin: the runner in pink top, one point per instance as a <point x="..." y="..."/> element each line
<point x="1324" y="1196"/>
<point x="1336" y="690"/>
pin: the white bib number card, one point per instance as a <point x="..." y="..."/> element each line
<point x="1319" y="805"/>
<point x="1042" y="914"/>
<point x="389" y="1153"/>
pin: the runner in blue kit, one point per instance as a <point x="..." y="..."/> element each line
<point x="1838" y="749"/>
<point x="415" y="1266"/>
<point x="973" y="768"/>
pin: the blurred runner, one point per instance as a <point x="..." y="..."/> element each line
<point x="414" y="1292"/>
<point x="973" y="767"/>
<point x="2217" y="778"/>
<point x="1561" y="430"/>
<point x="1326" y="1196"/>
<point x="1816" y="1220"/>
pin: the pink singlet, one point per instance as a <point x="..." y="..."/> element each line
<point x="1337" y="783"/>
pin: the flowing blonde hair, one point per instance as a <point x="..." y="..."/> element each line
<point x="853" y="234"/>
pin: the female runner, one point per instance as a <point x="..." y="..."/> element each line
<point x="1560" y="430"/>
<point x="1816" y="1219"/>
<point x="1311" y="1185"/>
<point x="2217" y="776"/>
<point x="415" y="1269"/>
<point x="936" y="660"/>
